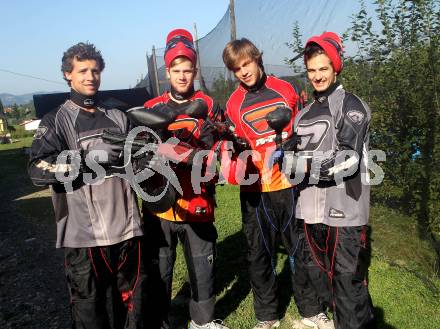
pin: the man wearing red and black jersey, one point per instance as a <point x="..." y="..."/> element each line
<point x="191" y="215"/>
<point x="268" y="204"/>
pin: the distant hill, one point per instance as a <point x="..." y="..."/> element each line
<point x="9" y="99"/>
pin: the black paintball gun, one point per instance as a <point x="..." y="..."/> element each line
<point x="278" y="119"/>
<point x="224" y="130"/>
<point x="156" y="119"/>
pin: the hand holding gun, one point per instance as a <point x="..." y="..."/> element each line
<point x="157" y="119"/>
<point x="278" y="119"/>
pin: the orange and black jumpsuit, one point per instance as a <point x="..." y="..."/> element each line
<point x="190" y="220"/>
<point x="268" y="204"/>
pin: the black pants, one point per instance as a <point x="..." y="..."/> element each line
<point x="92" y="272"/>
<point x="198" y="240"/>
<point x="266" y="217"/>
<point x="342" y="253"/>
<point x="311" y="283"/>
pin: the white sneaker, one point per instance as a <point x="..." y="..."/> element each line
<point x="319" y="321"/>
<point x="267" y="324"/>
<point x="215" y="324"/>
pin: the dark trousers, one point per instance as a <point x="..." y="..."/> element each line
<point x="198" y="240"/>
<point x="342" y="253"/>
<point x="92" y="272"/>
<point x="311" y="283"/>
<point x="266" y="217"/>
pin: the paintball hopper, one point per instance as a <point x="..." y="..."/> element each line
<point x="160" y="118"/>
<point x="197" y="109"/>
<point x="153" y="119"/>
<point x="279" y="118"/>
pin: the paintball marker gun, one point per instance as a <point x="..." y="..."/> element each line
<point x="278" y="119"/>
<point x="156" y="120"/>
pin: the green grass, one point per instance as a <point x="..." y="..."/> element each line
<point x="20" y="143"/>
<point x="395" y="239"/>
<point x="13" y="161"/>
<point x="403" y="274"/>
<point x="403" y="281"/>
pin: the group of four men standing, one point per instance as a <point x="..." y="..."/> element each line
<point x="110" y="250"/>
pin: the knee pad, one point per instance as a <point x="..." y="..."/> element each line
<point x="201" y="274"/>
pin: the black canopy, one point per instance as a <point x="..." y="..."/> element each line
<point x="122" y="99"/>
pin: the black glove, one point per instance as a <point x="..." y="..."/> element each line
<point x="240" y="144"/>
<point x="147" y="160"/>
<point x="291" y="143"/>
<point x="106" y="154"/>
<point x="209" y="134"/>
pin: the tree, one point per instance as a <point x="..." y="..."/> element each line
<point x="3" y="116"/>
<point x="396" y="71"/>
<point x="221" y="90"/>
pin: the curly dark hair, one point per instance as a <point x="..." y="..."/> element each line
<point x="81" y="51"/>
<point x="312" y="50"/>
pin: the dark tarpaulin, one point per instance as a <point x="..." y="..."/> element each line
<point x="122" y="99"/>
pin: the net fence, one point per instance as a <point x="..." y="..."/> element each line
<point x="269" y="25"/>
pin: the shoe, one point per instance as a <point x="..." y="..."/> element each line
<point x="319" y="321"/>
<point x="267" y="324"/>
<point x="215" y="324"/>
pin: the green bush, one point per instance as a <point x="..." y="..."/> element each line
<point x="396" y="72"/>
<point x="19" y="132"/>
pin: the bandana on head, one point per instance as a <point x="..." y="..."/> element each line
<point x="332" y="45"/>
<point x="179" y="43"/>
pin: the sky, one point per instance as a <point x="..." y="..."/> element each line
<point x="35" y="33"/>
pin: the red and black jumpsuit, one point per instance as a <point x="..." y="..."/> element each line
<point x="267" y="205"/>
<point x="189" y="220"/>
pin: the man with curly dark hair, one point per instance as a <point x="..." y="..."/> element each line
<point x="80" y="52"/>
<point x="98" y="223"/>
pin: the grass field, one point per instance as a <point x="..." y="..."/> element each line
<point x="22" y="142"/>
<point x="404" y="282"/>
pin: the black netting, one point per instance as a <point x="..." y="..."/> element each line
<point x="269" y="25"/>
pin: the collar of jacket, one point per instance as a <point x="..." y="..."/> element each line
<point x="87" y="102"/>
<point x="260" y="83"/>
<point x="322" y="97"/>
<point x="182" y="96"/>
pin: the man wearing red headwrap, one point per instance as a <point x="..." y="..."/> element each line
<point x="190" y="217"/>
<point x="334" y="196"/>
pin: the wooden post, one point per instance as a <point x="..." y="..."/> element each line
<point x="233" y="31"/>
<point x="156" y="77"/>
<point x="232" y="20"/>
<point x="196" y="44"/>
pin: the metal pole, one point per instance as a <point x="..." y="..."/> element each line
<point x="233" y="31"/>
<point x="150" y="87"/>
<point x="232" y="20"/>
<point x="196" y="43"/>
<point x="156" y="77"/>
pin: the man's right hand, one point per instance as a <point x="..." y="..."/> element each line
<point x="105" y="154"/>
